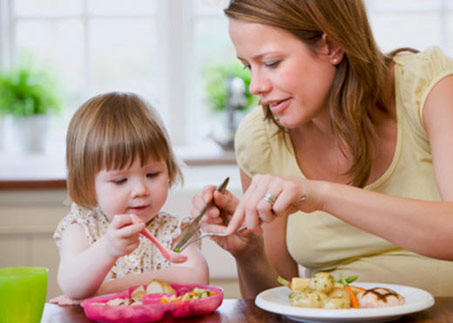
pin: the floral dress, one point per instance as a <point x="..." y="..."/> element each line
<point x="146" y="257"/>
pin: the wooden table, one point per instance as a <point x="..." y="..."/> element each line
<point x="244" y="310"/>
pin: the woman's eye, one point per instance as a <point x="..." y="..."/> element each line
<point x="272" y="63"/>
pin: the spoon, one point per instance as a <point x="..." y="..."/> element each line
<point x="168" y="254"/>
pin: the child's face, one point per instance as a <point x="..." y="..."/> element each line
<point x="135" y="190"/>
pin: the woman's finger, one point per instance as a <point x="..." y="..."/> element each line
<point x="199" y="201"/>
<point x="288" y="198"/>
<point x="237" y="219"/>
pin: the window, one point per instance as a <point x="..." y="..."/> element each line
<point x="412" y="23"/>
<point x="159" y="48"/>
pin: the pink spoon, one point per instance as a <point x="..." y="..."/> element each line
<point x="168" y="254"/>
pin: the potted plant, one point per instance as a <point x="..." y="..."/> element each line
<point x="227" y="93"/>
<point x="216" y="77"/>
<point x="29" y="97"/>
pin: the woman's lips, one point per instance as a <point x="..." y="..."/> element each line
<point x="278" y="107"/>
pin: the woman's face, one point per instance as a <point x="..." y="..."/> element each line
<point x="285" y="73"/>
<point x="139" y="190"/>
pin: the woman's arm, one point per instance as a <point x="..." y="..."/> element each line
<point x="424" y="227"/>
<point x="438" y="120"/>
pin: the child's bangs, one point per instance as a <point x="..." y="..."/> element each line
<point x="124" y="145"/>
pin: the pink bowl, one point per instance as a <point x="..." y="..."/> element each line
<point x="152" y="309"/>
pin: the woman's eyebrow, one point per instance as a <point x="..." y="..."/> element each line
<point x="258" y="56"/>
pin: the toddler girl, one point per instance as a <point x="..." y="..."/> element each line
<point x="120" y="165"/>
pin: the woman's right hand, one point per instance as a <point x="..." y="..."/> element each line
<point x="217" y="218"/>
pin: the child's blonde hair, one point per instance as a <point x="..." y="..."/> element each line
<point x="110" y="131"/>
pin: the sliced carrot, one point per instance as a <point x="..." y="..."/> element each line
<point x="360" y="289"/>
<point x="354" y="301"/>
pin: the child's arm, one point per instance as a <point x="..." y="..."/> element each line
<point x="83" y="267"/>
<point x="193" y="271"/>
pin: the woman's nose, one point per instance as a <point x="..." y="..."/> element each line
<point x="259" y="84"/>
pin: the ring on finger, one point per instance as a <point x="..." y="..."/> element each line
<point x="269" y="198"/>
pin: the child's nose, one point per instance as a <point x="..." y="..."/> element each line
<point x="140" y="189"/>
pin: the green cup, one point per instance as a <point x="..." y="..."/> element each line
<point x="23" y="292"/>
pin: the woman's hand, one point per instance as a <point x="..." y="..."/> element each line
<point x="122" y="235"/>
<point x="218" y="216"/>
<point x="269" y="196"/>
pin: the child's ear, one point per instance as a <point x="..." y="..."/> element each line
<point x="334" y="52"/>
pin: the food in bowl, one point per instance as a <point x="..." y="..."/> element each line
<point x="159" y="286"/>
<point x="196" y="293"/>
<point x="152" y="307"/>
<point x="155" y="286"/>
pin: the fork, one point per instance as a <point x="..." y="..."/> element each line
<point x="218" y="234"/>
<point x="208" y="234"/>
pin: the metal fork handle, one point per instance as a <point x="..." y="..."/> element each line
<point x="217" y="234"/>
<point x="208" y="234"/>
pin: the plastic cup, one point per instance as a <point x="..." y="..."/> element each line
<point x="23" y="292"/>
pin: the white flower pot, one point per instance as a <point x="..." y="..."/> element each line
<point x="30" y="133"/>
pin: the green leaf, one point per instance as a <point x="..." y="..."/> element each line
<point x="350" y="279"/>
<point x="282" y="281"/>
<point x="25" y="91"/>
<point x="347" y="280"/>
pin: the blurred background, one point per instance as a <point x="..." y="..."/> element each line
<point x="163" y="50"/>
<point x="55" y="54"/>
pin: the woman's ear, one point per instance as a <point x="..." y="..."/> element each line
<point x="334" y="52"/>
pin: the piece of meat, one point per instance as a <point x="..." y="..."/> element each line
<point x="379" y="297"/>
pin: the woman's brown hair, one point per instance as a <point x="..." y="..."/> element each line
<point x="110" y="131"/>
<point x="359" y="82"/>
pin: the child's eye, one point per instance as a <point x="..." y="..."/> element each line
<point x="119" y="180"/>
<point x="151" y="175"/>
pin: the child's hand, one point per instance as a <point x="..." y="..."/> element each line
<point x="64" y="300"/>
<point x="122" y="235"/>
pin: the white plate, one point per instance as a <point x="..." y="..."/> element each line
<point x="276" y="300"/>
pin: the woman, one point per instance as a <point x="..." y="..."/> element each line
<point x="350" y="163"/>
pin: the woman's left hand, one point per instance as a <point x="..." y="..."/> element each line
<point x="269" y="196"/>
